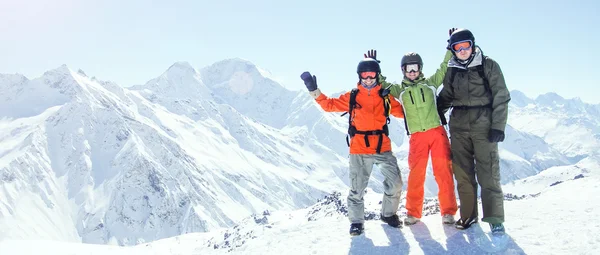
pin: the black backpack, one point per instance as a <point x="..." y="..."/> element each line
<point x="384" y="94"/>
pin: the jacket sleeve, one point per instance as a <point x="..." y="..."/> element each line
<point x="395" y="89"/>
<point x="397" y="110"/>
<point x="500" y="94"/>
<point x="444" y="99"/>
<point x="438" y="77"/>
<point x="339" y="104"/>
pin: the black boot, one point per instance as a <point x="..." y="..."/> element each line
<point x="393" y="221"/>
<point x="464" y="224"/>
<point x="356" y="229"/>
<point x="497" y="229"/>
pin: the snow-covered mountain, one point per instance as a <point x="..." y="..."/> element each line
<point x="568" y="125"/>
<point x="85" y="160"/>
<point x="108" y="165"/>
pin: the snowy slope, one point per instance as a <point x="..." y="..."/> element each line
<point x="554" y="176"/>
<point x="322" y="229"/>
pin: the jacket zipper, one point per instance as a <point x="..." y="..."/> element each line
<point x="411" y="97"/>
<point x="422" y="94"/>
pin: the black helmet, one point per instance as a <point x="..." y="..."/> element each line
<point x="461" y="35"/>
<point x="368" y="65"/>
<point x="411" y="58"/>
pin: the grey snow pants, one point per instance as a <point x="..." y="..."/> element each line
<point x="361" y="166"/>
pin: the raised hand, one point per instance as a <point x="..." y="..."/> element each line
<point x="310" y="81"/>
<point x="372" y="54"/>
<point x="450" y="31"/>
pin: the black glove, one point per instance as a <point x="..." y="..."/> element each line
<point x="372" y="54"/>
<point x="310" y="81"/>
<point x="450" y="31"/>
<point x="496" y="136"/>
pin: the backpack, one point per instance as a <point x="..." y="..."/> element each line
<point x="384" y="94"/>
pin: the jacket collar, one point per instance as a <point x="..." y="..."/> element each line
<point x="374" y="88"/>
<point x="476" y="60"/>
<point x="406" y="82"/>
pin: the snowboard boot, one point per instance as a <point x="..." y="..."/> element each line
<point x="393" y="221"/>
<point x="497" y="229"/>
<point x="464" y="224"/>
<point x="448" y="219"/>
<point x="411" y="220"/>
<point x="356" y="229"/>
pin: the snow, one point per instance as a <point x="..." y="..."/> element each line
<point x="178" y="163"/>
<point x="282" y="232"/>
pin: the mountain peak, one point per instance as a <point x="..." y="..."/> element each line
<point x="180" y="80"/>
<point x="235" y="61"/>
<point x="549" y="97"/>
<point x="81" y="72"/>
<point x="181" y="65"/>
<point x="224" y="70"/>
<point x="180" y="69"/>
<point x="12" y="78"/>
<point x="62" y="69"/>
<point x="518" y="98"/>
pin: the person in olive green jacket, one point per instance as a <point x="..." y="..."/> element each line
<point x="427" y="135"/>
<point x="474" y="86"/>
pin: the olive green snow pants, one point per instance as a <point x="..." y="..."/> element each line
<point x="475" y="159"/>
<point x="361" y="166"/>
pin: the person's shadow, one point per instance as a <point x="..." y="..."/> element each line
<point x="426" y="242"/>
<point x="475" y="240"/>
<point x="364" y="245"/>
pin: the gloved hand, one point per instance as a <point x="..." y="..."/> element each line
<point x="310" y="81"/>
<point x="372" y="54"/>
<point x="496" y="135"/>
<point x="450" y="31"/>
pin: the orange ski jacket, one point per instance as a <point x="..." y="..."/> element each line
<point x="367" y="115"/>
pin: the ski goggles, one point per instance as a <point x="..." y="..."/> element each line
<point x="368" y="75"/>
<point x="411" y="68"/>
<point x="462" y="45"/>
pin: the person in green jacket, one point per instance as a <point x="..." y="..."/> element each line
<point x="474" y="87"/>
<point x="427" y="136"/>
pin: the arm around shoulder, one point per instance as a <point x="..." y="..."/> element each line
<point x="397" y="109"/>
<point x="438" y="77"/>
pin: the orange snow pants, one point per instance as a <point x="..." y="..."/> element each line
<point x="436" y="141"/>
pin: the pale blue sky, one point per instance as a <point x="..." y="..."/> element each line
<point x="541" y="46"/>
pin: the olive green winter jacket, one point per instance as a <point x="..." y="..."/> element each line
<point x="477" y="108"/>
<point x="418" y="99"/>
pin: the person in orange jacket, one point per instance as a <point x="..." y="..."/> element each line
<point x="369" y="106"/>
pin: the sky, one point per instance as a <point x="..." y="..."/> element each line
<point x="541" y="46"/>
